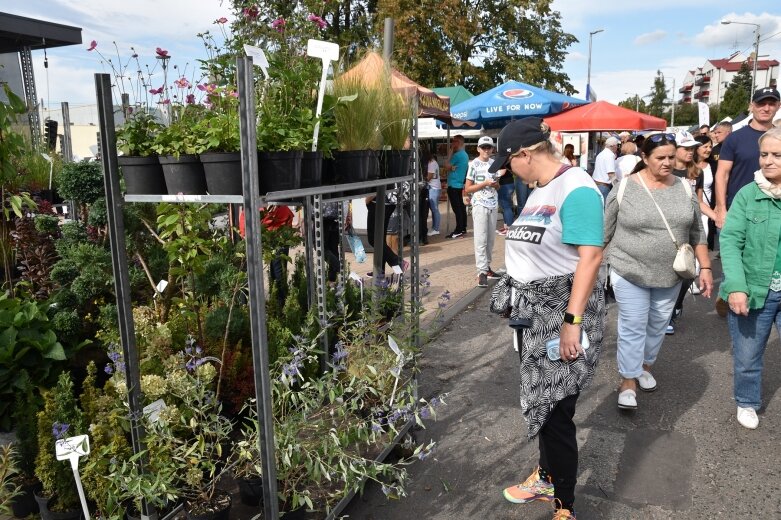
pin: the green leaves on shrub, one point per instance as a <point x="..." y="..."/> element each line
<point x="81" y="181"/>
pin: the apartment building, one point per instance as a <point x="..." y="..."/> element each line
<point x="709" y="82"/>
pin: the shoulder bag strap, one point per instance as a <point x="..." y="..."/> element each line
<point x="660" y="210"/>
<point x="621" y="189"/>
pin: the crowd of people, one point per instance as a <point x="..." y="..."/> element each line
<point x="653" y="210"/>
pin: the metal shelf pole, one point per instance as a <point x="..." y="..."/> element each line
<point x="320" y="289"/>
<point x="257" y="303"/>
<point x="116" y="227"/>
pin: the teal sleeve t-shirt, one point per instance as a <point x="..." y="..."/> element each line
<point x="582" y="217"/>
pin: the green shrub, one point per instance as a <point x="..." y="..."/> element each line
<point x="81" y="181"/>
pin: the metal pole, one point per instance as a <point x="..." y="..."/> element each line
<point x="309" y="229"/>
<point x="67" y="144"/>
<point x="588" y="77"/>
<point x="319" y="261"/>
<point x="415" y="223"/>
<point x="672" y="116"/>
<point x="379" y="200"/>
<point x="116" y="226"/>
<point x="756" y="59"/>
<point x="257" y="300"/>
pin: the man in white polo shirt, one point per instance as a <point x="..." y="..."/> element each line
<point x="605" y="166"/>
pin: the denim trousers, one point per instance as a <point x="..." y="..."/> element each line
<point x="749" y="339"/>
<point x="433" y="202"/>
<point x="484" y="223"/>
<point x="604" y="190"/>
<point x="506" y="203"/>
<point x="643" y="315"/>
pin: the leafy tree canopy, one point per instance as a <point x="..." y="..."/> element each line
<point x="737" y="95"/>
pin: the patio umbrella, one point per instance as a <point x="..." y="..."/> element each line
<point x="604" y="116"/>
<point x="512" y="100"/>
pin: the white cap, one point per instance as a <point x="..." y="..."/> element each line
<point x="485" y="140"/>
<point x="685" y="139"/>
<point x="612" y="141"/>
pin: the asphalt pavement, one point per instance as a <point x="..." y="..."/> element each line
<point x="681" y="454"/>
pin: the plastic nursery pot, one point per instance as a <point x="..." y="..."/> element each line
<point x="143" y="175"/>
<point x="218" y="508"/>
<point x="25" y="504"/>
<point x="183" y="174"/>
<point x="352" y="165"/>
<point x="298" y="513"/>
<point x="394" y="163"/>
<point x="222" y="172"/>
<point x="374" y="165"/>
<point x="311" y="169"/>
<point x="47" y="514"/>
<point x="279" y="171"/>
<point x="250" y="491"/>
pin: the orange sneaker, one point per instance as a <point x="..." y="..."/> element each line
<point x="564" y="514"/>
<point x="533" y="488"/>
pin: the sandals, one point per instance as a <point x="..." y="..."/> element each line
<point x="646" y="381"/>
<point x="627" y="400"/>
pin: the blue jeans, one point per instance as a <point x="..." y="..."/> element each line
<point x="522" y="192"/>
<point x="643" y="315"/>
<point x="604" y="190"/>
<point x="433" y="202"/>
<point x="749" y="339"/>
<point x="506" y="203"/>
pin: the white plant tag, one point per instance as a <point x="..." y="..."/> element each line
<point x="326" y="51"/>
<point x="77" y="446"/>
<point x="152" y="410"/>
<point x="258" y="57"/>
<point x="397" y="269"/>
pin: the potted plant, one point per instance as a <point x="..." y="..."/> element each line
<point x="218" y="144"/>
<point x="357" y="130"/>
<point x="176" y="146"/>
<point x="245" y="458"/>
<point x="26" y="448"/>
<point x="139" y="163"/>
<point x="395" y="126"/>
<point x="59" y="419"/>
<point x="9" y="488"/>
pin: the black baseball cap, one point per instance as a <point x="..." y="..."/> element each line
<point x="521" y="133"/>
<point x="764" y="93"/>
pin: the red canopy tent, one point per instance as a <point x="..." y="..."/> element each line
<point x="603" y="116"/>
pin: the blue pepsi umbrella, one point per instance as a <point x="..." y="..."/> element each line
<point x="512" y="100"/>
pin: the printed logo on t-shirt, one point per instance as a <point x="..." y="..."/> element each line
<point x="523" y="233"/>
<point x="542" y="214"/>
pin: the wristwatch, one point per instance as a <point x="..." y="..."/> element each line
<point x="572" y="319"/>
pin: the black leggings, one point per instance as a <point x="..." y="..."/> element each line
<point x="388" y="255"/>
<point x="456" y="199"/>
<point x="559" y="450"/>
<point x="331" y="238"/>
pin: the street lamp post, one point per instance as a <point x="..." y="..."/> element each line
<point x="756" y="51"/>
<point x="672" y="99"/>
<point x="588" y="80"/>
<point x="637" y="100"/>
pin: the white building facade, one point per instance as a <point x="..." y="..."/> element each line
<point x="709" y="82"/>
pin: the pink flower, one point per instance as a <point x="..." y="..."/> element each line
<point x="279" y="24"/>
<point x="251" y="12"/>
<point x="166" y="102"/>
<point x="92" y="45"/>
<point x="233" y="93"/>
<point x="190" y="99"/>
<point x="221" y="20"/>
<point x="161" y="53"/>
<point x="322" y="24"/>
<point x="156" y="91"/>
<point x="182" y="83"/>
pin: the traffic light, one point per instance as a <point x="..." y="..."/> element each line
<point x="50" y="134"/>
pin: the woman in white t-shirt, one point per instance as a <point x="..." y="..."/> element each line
<point x="434" y="189"/>
<point x="705" y="195"/>
<point x="627" y="162"/>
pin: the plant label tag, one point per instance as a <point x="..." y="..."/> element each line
<point x="397" y="269"/>
<point x="161" y="286"/>
<point x="72" y="447"/>
<point x="258" y="57"/>
<point x="326" y="51"/>
<point x="152" y="410"/>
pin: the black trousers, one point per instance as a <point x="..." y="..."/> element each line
<point x="559" y="450"/>
<point x="331" y="238"/>
<point x="423" y="209"/>
<point x="389" y="256"/>
<point x="459" y="209"/>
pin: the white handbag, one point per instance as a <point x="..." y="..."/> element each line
<point x="683" y="265"/>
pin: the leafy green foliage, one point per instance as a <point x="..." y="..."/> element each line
<point x="357" y="114"/>
<point x="9" y="488"/>
<point x="738" y="94"/>
<point x="12" y="144"/>
<point x="138" y="133"/>
<point x="218" y="131"/>
<point x="81" y="181"/>
<point x="180" y="136"/>
<point x="35" y="252"/>
<point x="29" y="350"/>
<point x="656" y="106"/>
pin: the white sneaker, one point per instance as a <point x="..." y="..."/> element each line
<point x="747" y="417"/>
<point x="646" y="381"/>
<point x="694" y="288"/>
<point x="627" y="400"/>
<point x="433" y="232"/>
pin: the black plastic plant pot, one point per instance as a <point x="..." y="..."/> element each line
<point x="183" y="174"/>
<point x="24" y="505"/>
<point x="374" y="165"/>
<point x="298" y="513"/>
<point x="250" y="491"/>
<point x="223" y="172"/>
<point x="47" y="514"/>
<point x="352" y="165"/>
<point x="218" y="508"/>
<point x="279" y="171"/>
<point x="394" y="163"/>
<point x="312" y="169"/>
<point x="143" y="175"/>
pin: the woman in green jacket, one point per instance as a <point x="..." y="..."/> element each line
<point x="751" y="257"/>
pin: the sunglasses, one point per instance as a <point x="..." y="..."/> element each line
<point x="486" y="147"/>
<point x="658" y="138"/>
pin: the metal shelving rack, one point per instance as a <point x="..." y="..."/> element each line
<point x="252" y="201"/>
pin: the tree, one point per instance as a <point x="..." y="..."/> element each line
<point x="634" y="103"/>
<point x="687" y="114"/>
<point x="479" y="46"/>
<point x="656" y="107"/>
<point x="737" y="95"/>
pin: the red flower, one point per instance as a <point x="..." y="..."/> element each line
<point x="92" y="45"/>
<point x="221" y="20"/>
<point x="251" y="12"/>
<point x="161" y="53"/>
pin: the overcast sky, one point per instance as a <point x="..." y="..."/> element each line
<point x="638" y="39"/>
